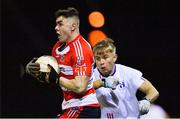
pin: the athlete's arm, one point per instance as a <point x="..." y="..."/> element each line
<point x="77" y="85"/>
<point x="150" y="91"/>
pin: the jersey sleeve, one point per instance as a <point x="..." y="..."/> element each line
<point x="136" y="77"/>
<point x="53" y="52"/>
<point x="82" y="61"/>
<point x="96" y="75"/>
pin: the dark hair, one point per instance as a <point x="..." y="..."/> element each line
<point x="69" y="12"/>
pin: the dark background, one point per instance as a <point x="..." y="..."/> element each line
<point x="146" y="33"/>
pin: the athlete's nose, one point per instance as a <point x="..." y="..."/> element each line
<point x="102" y="61"/>
<point x="56" y="28"/>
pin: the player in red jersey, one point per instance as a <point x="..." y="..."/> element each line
<point x="75" y="58"/>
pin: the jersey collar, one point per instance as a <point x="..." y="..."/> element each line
<point x="111" y="74"/>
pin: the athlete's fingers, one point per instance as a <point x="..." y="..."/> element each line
<point x="34" y="59"/>
<point x="34" y="69"/>
<point x="34" y="66"/>
<point x="35" y="72"/>
<point x="31" y="66"/>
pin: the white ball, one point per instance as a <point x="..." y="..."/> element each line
<point x="45" y="60"/>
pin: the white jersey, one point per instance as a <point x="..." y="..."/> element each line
<point x="121" y="102"/>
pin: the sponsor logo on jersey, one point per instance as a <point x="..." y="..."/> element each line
<point x="67" y="70"/>
<point x="121" y="84"/>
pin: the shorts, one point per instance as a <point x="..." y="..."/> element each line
<point x="81" y="112"/>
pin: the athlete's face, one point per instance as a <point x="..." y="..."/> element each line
<point x="63" y="28"/>
<point x="105" y="61"/>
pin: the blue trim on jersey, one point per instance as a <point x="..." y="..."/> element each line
<point x="114" y="70"/>
<point x="143" y="78"/>
<point x="111" y="74"/>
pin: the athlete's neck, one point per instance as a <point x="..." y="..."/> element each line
<point x="73" y="36"/>
<point x="77" y="37"/>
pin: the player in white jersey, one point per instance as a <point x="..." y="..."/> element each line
<point x="116" y="85"/>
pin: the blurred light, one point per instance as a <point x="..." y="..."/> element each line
<point x="96" y="19"/>
<point x="95" y="36"/>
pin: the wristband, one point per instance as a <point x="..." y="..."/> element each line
<point x="145" y="98"/>
<point x="103" y="82"/>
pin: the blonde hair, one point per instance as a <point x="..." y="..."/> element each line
<point x="105" y="44"/>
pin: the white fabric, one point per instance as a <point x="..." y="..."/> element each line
<point x="111" y="82"/>
<point x="127" y="105"/>
<point x="86" y="100"/>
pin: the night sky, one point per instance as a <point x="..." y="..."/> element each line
<point x="146" y="34"/>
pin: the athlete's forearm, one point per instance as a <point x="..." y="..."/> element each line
<point x="150" y="91"/>
<point x="77" y="85"/>
<point x="152" y="94"/>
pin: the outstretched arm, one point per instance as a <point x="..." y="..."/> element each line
<point x="150" y="91"/>
<point x="151" y="95"/>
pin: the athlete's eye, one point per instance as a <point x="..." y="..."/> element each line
<point x="59" y="23"/>
<point x="97" y="58"/>
<point x="105" y="57"/>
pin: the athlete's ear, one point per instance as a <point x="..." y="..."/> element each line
<point x="115" y="58"/>
<point x="73" y="26"/>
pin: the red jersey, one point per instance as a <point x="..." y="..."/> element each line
<point x="76" y="59"/>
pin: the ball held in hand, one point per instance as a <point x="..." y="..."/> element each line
<point x="49" y="69"/>
<point x="45" y="60"/>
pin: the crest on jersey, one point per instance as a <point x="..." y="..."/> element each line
<point x="62" y="58"/>
<point x="79" y="61"/>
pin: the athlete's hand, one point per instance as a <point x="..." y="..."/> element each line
<point x="144" y="106"/>
<point x="53" y="76"/>
<point x="33" y="68"/>
<point x="111" y="82"/>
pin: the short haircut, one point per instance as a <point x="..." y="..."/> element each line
<point x="103" y="45"/>
<point x="69" y="12"/>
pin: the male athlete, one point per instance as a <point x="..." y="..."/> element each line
<point x="116" y="85"/>
<point x="75" y="58"/>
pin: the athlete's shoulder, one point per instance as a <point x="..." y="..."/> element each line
<point x="95" y="70"/>
<point x="80" y="43"/>
<point x="127" y="69"/>
<point x="85" y="43"/>
<point x="55" y="46"/>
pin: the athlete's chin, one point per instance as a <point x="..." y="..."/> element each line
<point x="105" y="72"/>
<point x="61" y="40"/>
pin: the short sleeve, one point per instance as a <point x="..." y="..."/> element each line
<point x="136" y="77"/>
<point x="96" y="74"/>
<point x="53" y="52"/>
<point x="82" y="61"/>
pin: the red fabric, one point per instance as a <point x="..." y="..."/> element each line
<point x="79" y="58"/>
<point x="71" y="113"/>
